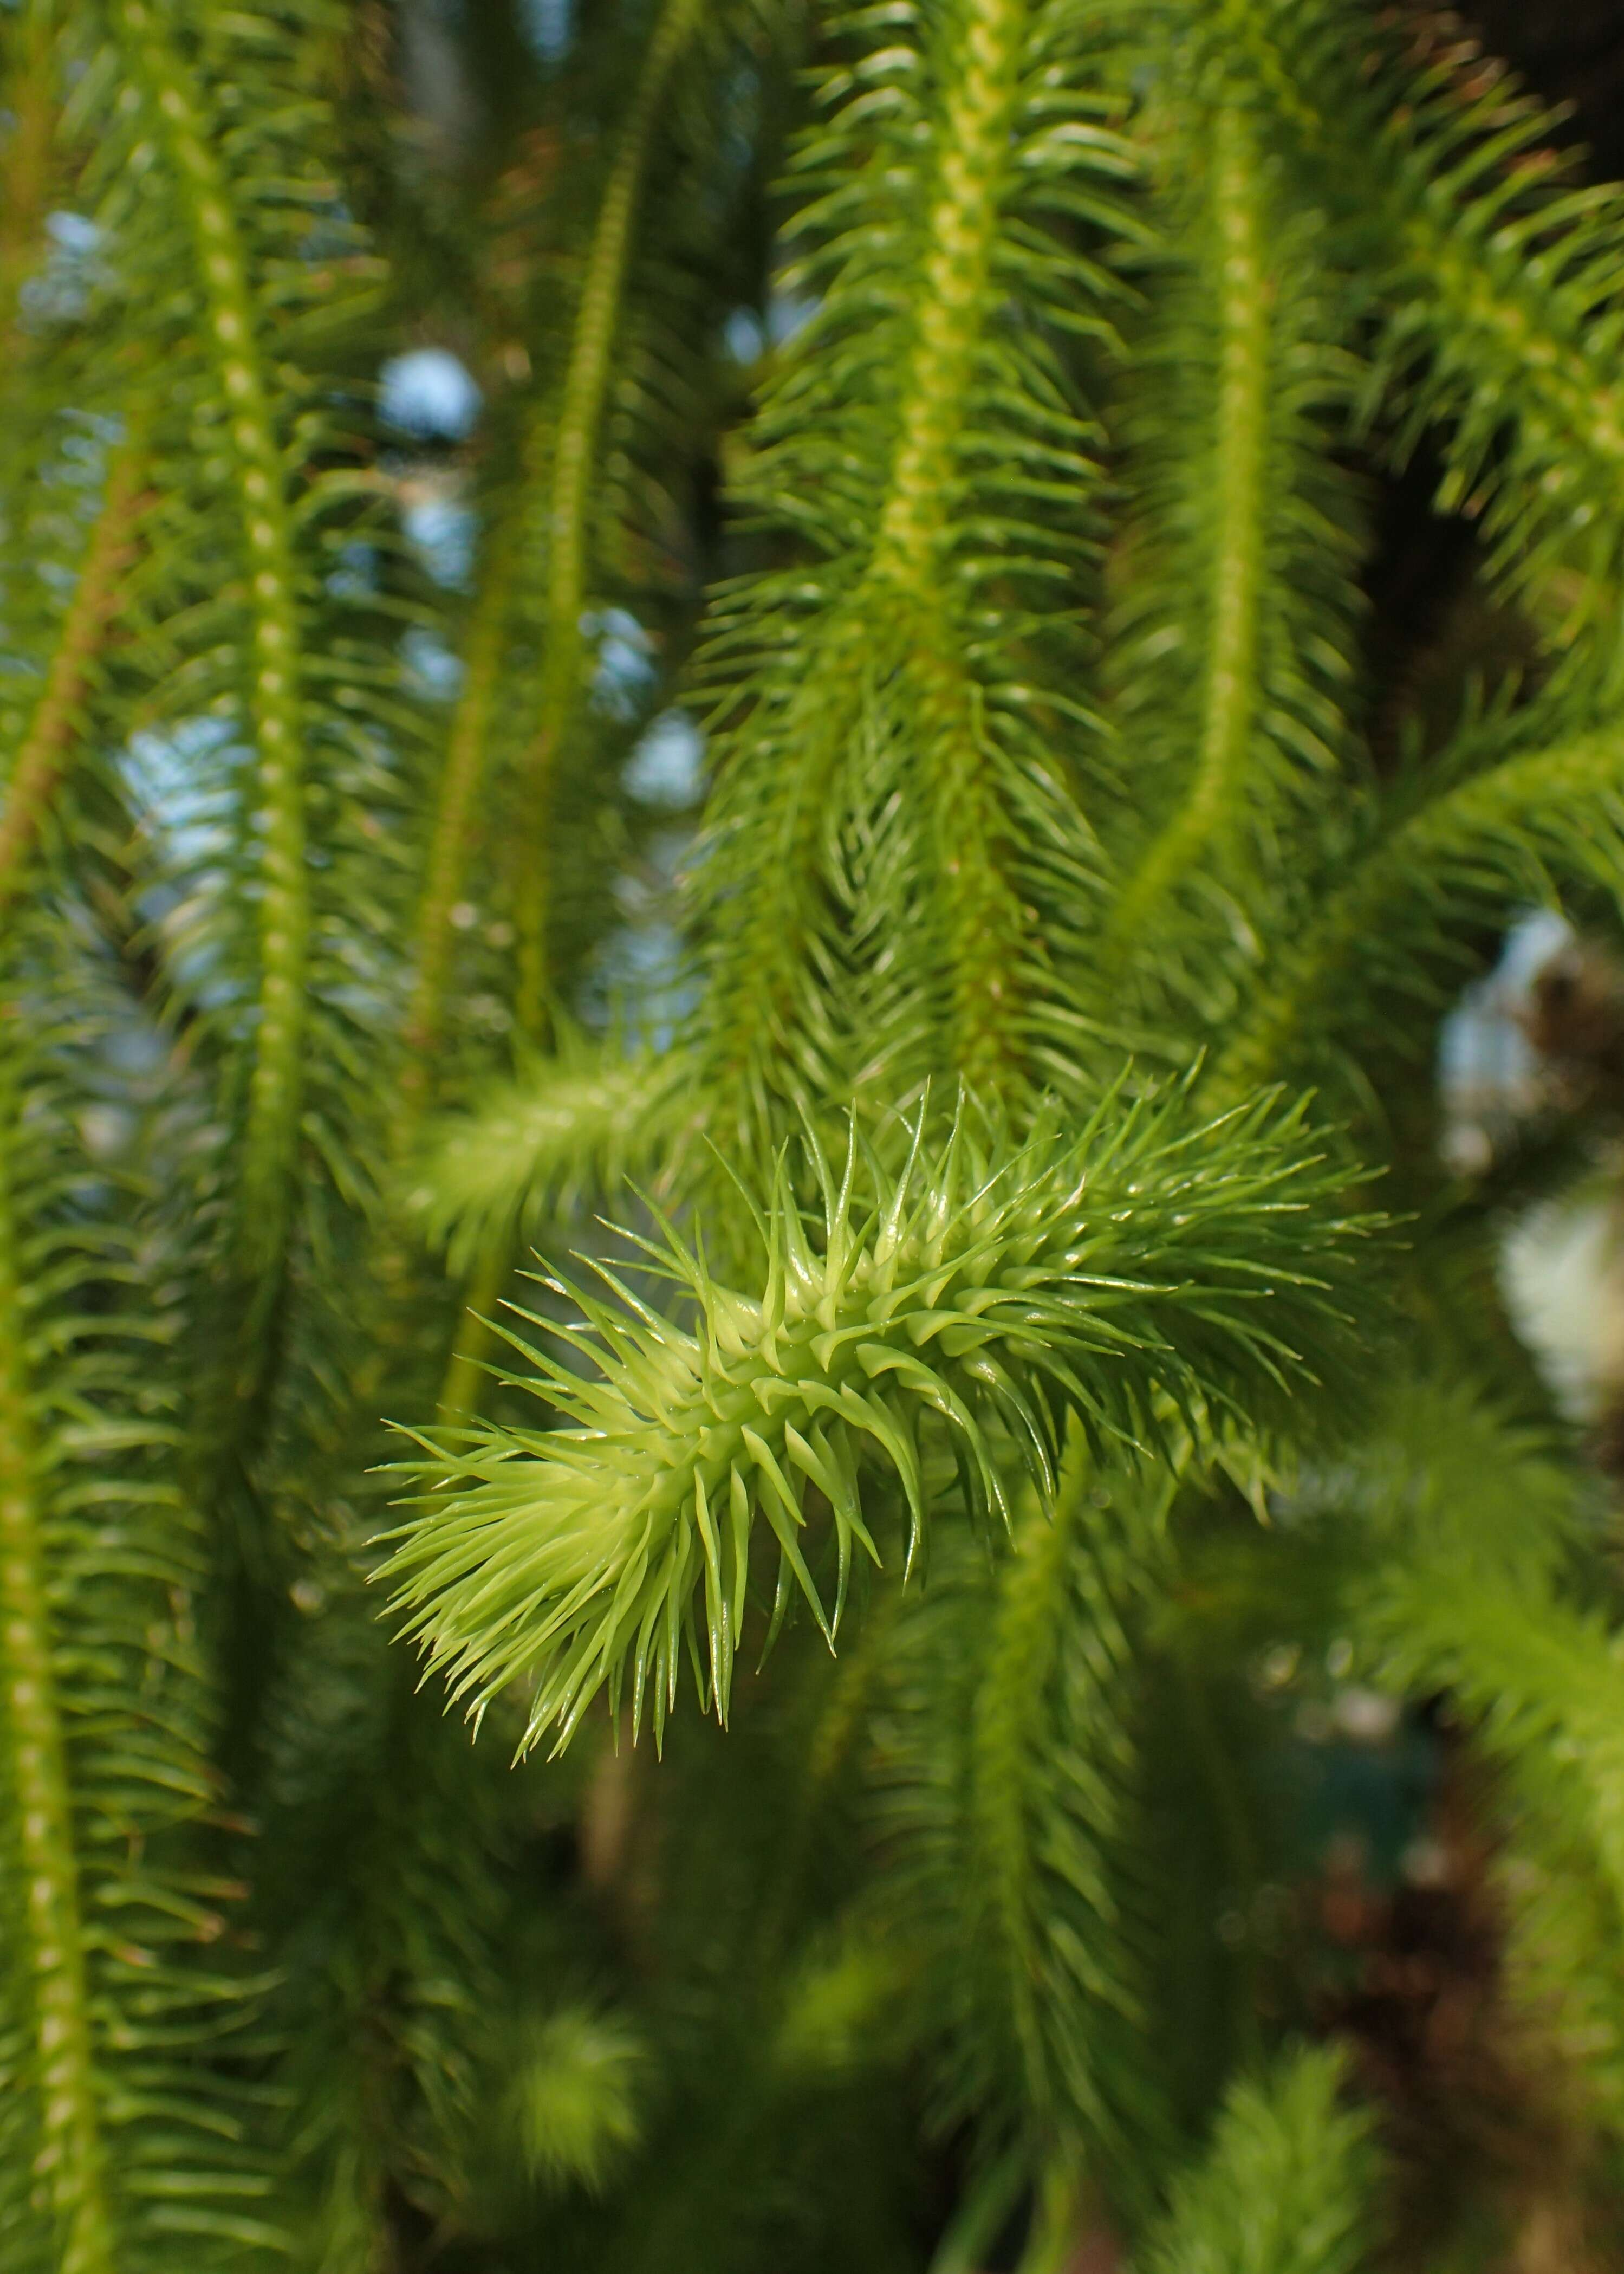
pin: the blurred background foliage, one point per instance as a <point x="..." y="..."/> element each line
<point x="493" y="585"/>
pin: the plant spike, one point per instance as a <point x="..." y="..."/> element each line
<point x="70" y="2160"/>
<point x="985" y="923"/>
<point x="535" y="1145"/>
<point x="1231" y="643"/>
<point x="125" y="2116"/>
<point x="232" y="325"/>
<point x="985" y="1287"/>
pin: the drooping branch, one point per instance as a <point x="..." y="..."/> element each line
<point x="1229" y="679"/>
<point x="894" y="855"/>
<point x="1230" y="663"/>
<point x="1287" y="2184"/>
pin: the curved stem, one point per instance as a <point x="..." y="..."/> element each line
<point x="47" y="747"/>
<point x="70" y="2160"/>
<point x="1230" y="604"/>
<point x="1505" y="803"/>
<point x="271" y="1138"/>
<point x="1506" y="288"/>
<point x="1009" y="1714"/>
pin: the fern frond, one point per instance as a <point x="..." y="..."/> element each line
<point x="1541" y="1680"/>
<point x="1007" y="1774"/>
<point x="277" y="743"/>
<point x="1543" y="1675"/>
<point x="1285" y="2186"/>
<point x="69" y="2138"/>
<point x="985" y="1287"/>
<point x="1476" y="1518"/>
<point x="573" y="2100"/>
<point x="389" y="1874"/>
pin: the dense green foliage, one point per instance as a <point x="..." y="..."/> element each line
<point x="730" y="1321"/>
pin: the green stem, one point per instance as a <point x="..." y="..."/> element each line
<point x="465" y="1376"/>
<point x="574" y="453"/>
<point x="983" y="926"/>
<point x="1056" y="2220"/>
<point x="455" y="821"/>
<point x="47" y="747"/>
<point x="917" y="517"/>
<point x="987" y="933"/>
<point x="1230" y="604"/>
<point x="229" y="326"/>
<point x="1009" y="1715"/>
<point x="69" y="2161"/>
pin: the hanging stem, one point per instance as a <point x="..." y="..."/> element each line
<point x="982" y="916"/>
<point x="465" y="1373"/>
<point x="1230" y="677"/>
<point x="916" y="519"/>
<point x="898" y="608"/>
<point x="70" y="2162"/>
<point x="271" y="1138"/>
<point x="573" y="459"/>
<point x="573" y="449"/>
<point x="455" y="821"/>
<point x="1010" y="1716"/>
<point x="48" y="747"/>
